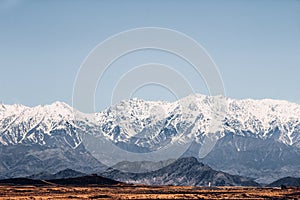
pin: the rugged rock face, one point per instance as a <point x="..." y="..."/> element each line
<point x="267" y="160"/>
<point x="24" y="160"/>
<point x="184" y="171"/>
<point x="257" y="138"/>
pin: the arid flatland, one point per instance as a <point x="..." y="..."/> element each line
<point x="145" y="192"/>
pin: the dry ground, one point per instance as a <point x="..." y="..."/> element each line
<point x="144" y="192"/>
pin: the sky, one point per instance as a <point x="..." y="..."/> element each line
<point x="255" y="45"/>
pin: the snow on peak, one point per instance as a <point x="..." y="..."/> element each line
<point x="203" y="114"/>
<point x="195" y="114"/>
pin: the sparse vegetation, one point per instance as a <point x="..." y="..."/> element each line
<point x="145" y="192"/>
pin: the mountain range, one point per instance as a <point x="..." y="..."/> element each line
<point x="252" y="138"/>
<point x="183" y="171"/>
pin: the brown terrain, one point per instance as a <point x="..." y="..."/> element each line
<point x="121" y="191"/>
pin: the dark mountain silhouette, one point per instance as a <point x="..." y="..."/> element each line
<point x="21" y="181"/>
<point x="85" y="180"/>
<point x="67" y="173"/>
<point x="287" y="181"/>
<point x="184" y="171"/>
<point x="78" y="181"/>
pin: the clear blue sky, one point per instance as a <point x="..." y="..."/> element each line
<point x="255" y="44"/>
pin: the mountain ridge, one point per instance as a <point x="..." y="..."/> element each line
<point x="60" y="112"/>
<point x="146" y="126"/>
<point x="183" y="171"/>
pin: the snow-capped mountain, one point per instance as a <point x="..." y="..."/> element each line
<point x="39" y="125"/>
<point x="146" y="126"/>
<point x="147" y="123"/>
<point x="43" y="139"/>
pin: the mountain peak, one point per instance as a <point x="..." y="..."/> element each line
<point x="147" y="126"/>
<point x="184" y="171"/>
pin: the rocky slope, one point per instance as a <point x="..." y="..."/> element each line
<point x="286" y="181"/>
<point x="257" y="138"/>
<point x="184" y="171"/>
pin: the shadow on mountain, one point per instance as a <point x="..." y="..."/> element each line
<point x="78" y="181"/>
<point x="22" y="181"/>
<point x="67" y="173"/>
<point x="287" y="181"/>
<point x="85" y="180"/>
<point x="24" y="160"/>
<point x="184" y="171"/>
